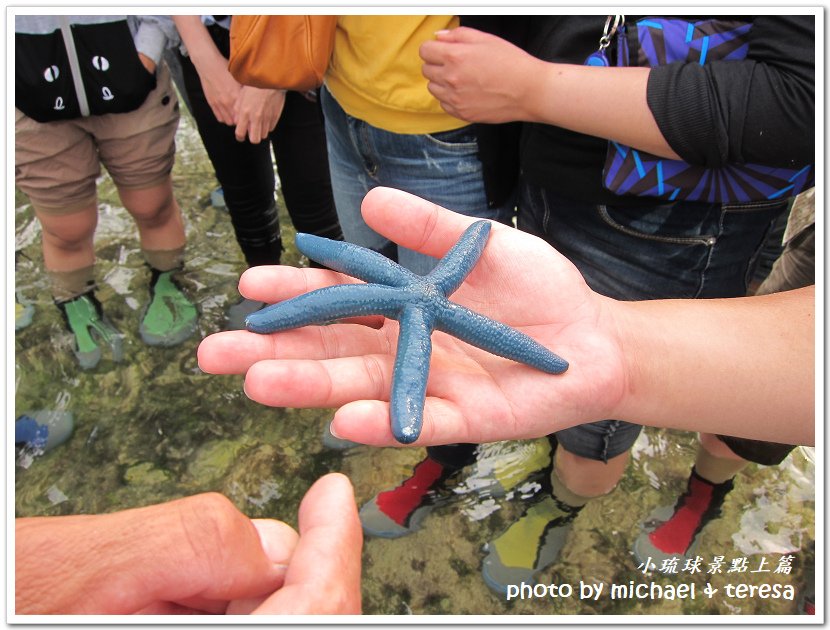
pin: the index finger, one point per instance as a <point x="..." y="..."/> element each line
<point x="432" y="52"/>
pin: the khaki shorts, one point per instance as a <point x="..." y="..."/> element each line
<point x="57" y="163"/>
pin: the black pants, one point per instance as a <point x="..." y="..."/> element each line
<point x="246" y="172"/>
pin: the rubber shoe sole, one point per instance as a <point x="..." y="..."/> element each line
<point x="376" y="523"/>
<point x="644" y="549"/>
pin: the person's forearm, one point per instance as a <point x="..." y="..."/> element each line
<point x="742" y="367"/>
<point x="200" y="47"/>
<point x="604" y="102"/>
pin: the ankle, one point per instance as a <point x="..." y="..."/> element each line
<point x="70" y="285"/>
<point x="564" y="495"/>
<point x="717" y="470"/>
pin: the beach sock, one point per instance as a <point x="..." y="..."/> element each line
<point x="496" y="474"/>
<point x="674" y="532"/>
<point x="67" y="285"/>
<point x="43" y="430"/>
<point x="84" y="318"/>
<point x="400" y="511"/>
<point x="531" y="544"/>
<point x="170" y="317"/>
<point x="535" y="541"/>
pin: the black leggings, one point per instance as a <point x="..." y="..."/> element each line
<point x="246" y="172"/>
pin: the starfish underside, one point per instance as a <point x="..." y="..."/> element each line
<point x="420" y="305"/>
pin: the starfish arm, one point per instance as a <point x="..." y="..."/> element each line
<point x="497" y="338"/>
<point x="324" y="305"/>
<point x="409" y="378"/>
<point x="354" y="260"/>
<point x="460" y="260"/>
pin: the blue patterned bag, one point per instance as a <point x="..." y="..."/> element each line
<point x="658" y="41"/>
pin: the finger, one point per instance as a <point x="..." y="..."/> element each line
<point x="254" y="134"/>
<point x="413" y="222"/>
<point x="442" y="94"/>
<point x="459" y="34"/>
<point x="324" y="575"/>
<point x="240" y="131"/>
<point x="218" y="113"/>
<point x="328" y="383"/>
<point x="367" y="422"/>
<point x="279" y="541"/>
<point x="271" y="284"/>
<point x="433" y="73"/>
<point x="171" y="608"/>
<point x="275" y="283"/>
<point x="234" y="352"/>
<point x="377" y="430"/>
<point x="242" y="119"/>
<point x="432" y="52"/>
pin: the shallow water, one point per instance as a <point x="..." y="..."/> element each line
<point x="154" y="427"/>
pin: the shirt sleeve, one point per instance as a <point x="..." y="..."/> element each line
<point x="759" y="110"/>
<point x="155" y="33"/>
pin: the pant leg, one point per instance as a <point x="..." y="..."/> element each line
<point x="299" y="144"/>
<point x="244" y="170"/>
<point x="351" y="179"/>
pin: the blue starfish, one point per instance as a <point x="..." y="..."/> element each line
<point x="418" y="302"/>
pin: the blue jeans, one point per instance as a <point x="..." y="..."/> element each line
<point x="677" y="250"/>
<point x="440" y="167"/>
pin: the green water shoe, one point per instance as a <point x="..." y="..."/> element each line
<point x="85" y="319"/>
<point x="170" y="318"/>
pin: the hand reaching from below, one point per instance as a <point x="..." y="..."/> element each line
<point x="193" y="555"/>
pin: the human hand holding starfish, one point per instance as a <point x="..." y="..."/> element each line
<point x="734" y="366"/>
<point x="471" y="395"/>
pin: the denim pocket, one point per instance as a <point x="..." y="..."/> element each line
<point x="661" y="224"/>
<point x="664" y="251"/>
<point x="758" y="206"/>
<point x="462" y="138"/>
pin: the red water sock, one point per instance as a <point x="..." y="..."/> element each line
<point x="400" y="503"/>
<point x="694" y="509"/>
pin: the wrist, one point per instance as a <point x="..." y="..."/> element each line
<point x="207" y="59"/>
<point x="625" y="321"/>
<point x="532" y="100"/>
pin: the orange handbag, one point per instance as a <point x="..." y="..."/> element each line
<point x="288" y="52"/>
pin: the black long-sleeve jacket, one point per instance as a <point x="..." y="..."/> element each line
<point x="761" y="109"/>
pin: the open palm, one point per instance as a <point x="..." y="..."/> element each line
<point x="472" y="396"/>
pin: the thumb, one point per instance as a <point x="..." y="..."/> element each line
<point x="324" y="575"/>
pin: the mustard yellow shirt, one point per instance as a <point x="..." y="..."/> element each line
<point x="375" y="72"/>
